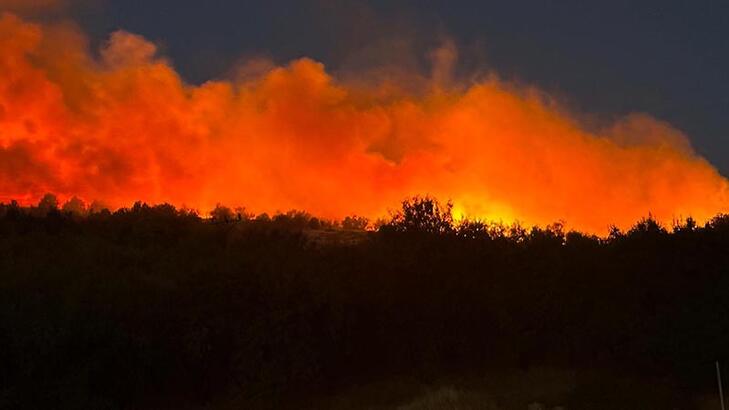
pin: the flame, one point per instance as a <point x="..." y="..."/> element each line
<point x="121" y="125"/>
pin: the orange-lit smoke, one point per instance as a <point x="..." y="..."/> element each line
<point x="123" y="127"/>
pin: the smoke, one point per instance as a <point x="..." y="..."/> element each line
<point x="120" y="125"/>
<point x="32" y="6"/>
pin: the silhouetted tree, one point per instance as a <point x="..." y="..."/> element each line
<point x="74" y="206"/>
<point x="222" y="214"/>
<point x="263" y="217"/>
<point x="98" y="207"/>
<point x="47" y="203"/>
<point x="647" y="226"/>
<point x="719" y="223"/>
<point x="242" y="214"/>
<point x="355" y="223"/>
<point x="424" y="215"/>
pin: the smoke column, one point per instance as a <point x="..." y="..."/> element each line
<point x="119" y="125"/>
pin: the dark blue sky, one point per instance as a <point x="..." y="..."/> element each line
<point x="668" y="58"/>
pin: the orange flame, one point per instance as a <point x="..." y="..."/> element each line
<point x="123" y="126"/>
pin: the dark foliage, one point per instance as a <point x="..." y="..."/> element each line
<point x="154" y="305"/>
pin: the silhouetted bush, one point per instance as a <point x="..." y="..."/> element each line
<point x="355" y="223"/>
<point x="423" y="215"/>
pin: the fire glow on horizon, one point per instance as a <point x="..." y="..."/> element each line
<point x="122" y="126"/>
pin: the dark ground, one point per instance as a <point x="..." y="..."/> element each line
<point x="153" y="307"/>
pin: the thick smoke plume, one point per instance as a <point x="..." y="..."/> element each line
<point x="120" y="125"/>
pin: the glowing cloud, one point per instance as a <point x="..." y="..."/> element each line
<point x="125" y="127"/>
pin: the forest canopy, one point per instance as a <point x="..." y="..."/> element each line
<point x="153" y="304"/>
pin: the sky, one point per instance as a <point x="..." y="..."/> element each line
<point x="666" y="58"/>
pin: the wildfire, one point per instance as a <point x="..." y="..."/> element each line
<point x="120" y="126"/>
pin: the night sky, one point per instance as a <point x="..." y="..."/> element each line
<point x="668" y="58"/>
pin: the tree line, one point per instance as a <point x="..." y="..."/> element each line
<point x="153" y="304"/>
